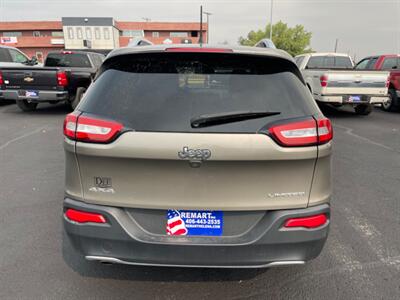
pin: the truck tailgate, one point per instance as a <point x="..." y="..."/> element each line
<point x="356" y="82"/>
<point x="30" y="78"/>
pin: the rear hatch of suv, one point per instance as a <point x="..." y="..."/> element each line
<point x="197" y="130"/>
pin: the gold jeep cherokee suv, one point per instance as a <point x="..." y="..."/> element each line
<point x="189" y="155"/>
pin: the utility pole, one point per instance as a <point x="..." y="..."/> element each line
<point x="208" y="14"/>
<point x="336" y="45"/>
<point x="270" y="29"/>
<point x="201" y="25"/>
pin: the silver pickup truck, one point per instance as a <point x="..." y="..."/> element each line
<point x="332" y="80"/>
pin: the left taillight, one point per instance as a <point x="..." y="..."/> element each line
<point x="1" y="78"/>
<point x="303" y="133"/>
<point x="62" y="79"/>
<point x="91" y="130"/>
<point x="79" y="216"/>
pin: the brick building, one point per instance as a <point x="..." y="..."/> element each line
<point x="37" y="38"/>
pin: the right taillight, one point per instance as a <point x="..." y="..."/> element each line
<point x="307" y="222"/>
<point x="62" y="79"/>
<point x="324" y="80"/>
<point x="91" y="130"/>
<point x="303" y="133"/>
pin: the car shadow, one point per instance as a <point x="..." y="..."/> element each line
<point x="42" y="110"/>
<point x="338" y="112"/>
<point x="92" y="269"/>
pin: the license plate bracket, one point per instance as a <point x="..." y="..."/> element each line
<point x="30" y="94"/>
<point x="194" y="222"/>
<point x="354" y="99"/>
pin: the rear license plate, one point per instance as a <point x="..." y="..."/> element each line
<point x="194" y="222"/>
<point x="354" y="98"/>
<point x="31" y="94"/>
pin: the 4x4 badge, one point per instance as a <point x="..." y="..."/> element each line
<point x="194" y="154"/>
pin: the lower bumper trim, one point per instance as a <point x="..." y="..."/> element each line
<point x="113" y="260"/>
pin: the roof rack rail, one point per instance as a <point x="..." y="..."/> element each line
<point x="139" y="42"/>
<point x="265" y="43"/>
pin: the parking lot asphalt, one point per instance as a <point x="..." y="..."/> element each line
<point x="361" y="259"/>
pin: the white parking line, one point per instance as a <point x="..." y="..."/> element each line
<point x="350" y="132"/>
<point x="373" y="237"/>
<point x="6" y="144"/>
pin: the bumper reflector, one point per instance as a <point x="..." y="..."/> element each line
<point x="307" y="222"/>
<point x="84" y="217"/>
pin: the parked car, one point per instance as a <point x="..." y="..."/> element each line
<point x="181" y="155"/>
<point x="13" y="57"/>
<point x="332" y="80"/>
<point x="391" y="63"/>
<point x="65" y="77"/>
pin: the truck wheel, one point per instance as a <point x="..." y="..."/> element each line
<point x="74" y="100"/>
<point x="363" y="109"/>
<point x="390" y="105"/>
<point x="26" y="106"/>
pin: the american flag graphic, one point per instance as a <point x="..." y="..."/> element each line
<point x="175" y="224"/>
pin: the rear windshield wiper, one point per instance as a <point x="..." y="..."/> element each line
<point x="228" y="117"/>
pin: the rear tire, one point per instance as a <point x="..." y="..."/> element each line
<point x="74" y="100"/>
<point x="24" y="105"/>
<point x="390" y="105"/>
<point x="363" y="109"/>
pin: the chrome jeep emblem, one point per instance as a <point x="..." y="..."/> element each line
<point x="198" y="155"/>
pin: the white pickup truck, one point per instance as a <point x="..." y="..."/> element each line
<point x="332" y="79"/>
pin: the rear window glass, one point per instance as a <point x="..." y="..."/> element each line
<point x="329" y="62"/>
<point x="163" y="92"/>
<point x="74" y="60"/>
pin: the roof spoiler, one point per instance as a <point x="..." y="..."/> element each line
<point x="265" y="43"/>
<point x="139" y="42"/>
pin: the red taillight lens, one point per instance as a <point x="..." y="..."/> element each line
<point x="307" y="222"/>
<point x="303" y="133"/>
<point x="70" y="125"/>
<point x="1" y="79"/>
<point x="62" y="79"/>
<point x="324" y="80"/>
<point x="325" y="131"/>
<point x="387" y="82"/>
<point x="84" y="217"/>
<point x="204" y="50"/>
<point x="90" y="130"/>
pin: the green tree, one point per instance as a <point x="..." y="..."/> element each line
<point x="294" y="40"/>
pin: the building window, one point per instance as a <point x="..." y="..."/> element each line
<point x="88" y="31"/>
<point x="36" y="33"/>
<point x="179" y="34"/>
<point x="57" y="34"/>
<point x="133" y="33"/>
<point x="106" y="33"/>
<point x="12" y="33"/>
<point x="70" y="33"/>
<point x="79" y="33"/>
<point x="156" y="34"/>
<point x="97" y="34"/>
<point x="194" y="34"/>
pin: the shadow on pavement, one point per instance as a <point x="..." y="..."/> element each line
<point x="42" y="109"/>
<point x="154" y="274"/>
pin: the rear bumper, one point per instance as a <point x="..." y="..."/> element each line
<point x="44" y="96"/>
<point x="344" y="99"/>
<point x="123" y="240"/>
